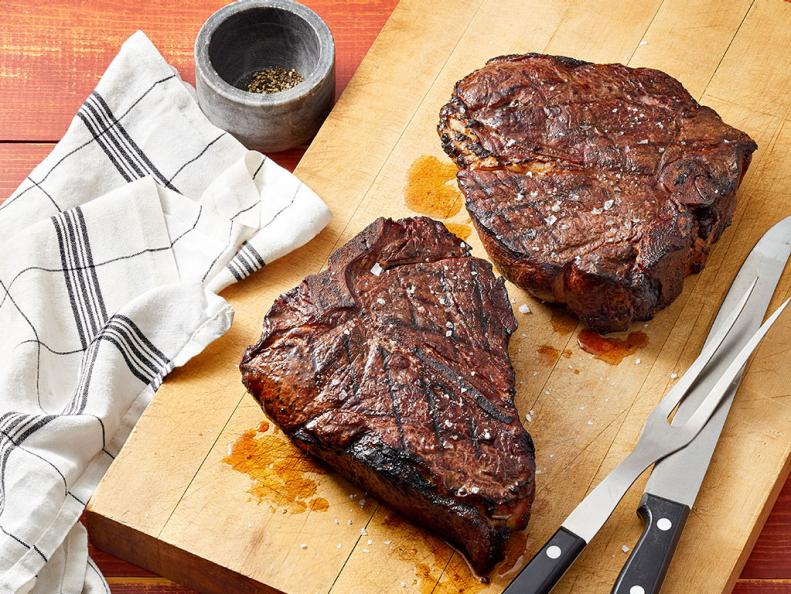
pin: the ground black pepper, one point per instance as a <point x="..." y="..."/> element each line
<point x="273" y="80"/>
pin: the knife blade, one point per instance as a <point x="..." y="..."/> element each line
<point x="675" y="481"/>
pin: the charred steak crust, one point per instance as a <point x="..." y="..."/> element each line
<point x="594" y="185"/>
<point x="392" y="366"/>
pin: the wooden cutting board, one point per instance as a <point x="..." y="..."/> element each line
<point x="206" y="492"/>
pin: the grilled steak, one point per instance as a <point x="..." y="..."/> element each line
<point x="597" y="186"/>
<point x="392" y="366"/>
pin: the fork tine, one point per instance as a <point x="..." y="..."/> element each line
<point x="672" y="398"/>
<point x="699" y="418"/>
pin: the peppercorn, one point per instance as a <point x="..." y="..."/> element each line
<point x="273" y="80"/>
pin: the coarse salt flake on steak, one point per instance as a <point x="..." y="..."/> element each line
<point x="594" y="185"/>
<point x="392" y="366"/>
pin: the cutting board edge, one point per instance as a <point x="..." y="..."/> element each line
<point x="125" y="542"/>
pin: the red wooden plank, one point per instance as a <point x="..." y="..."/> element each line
<point x="51" y="54"/>
<point x="146" y="586"/>
<point x="759" y="587"/>
<point x="16" y="161"/>
<point x="771" y="555"/>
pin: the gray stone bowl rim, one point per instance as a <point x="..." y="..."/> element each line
<point x="304" y="89"/>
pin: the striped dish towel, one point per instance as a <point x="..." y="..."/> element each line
<point x="114" y="249"/>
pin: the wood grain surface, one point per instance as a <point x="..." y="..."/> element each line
<point x="51" y="55"/>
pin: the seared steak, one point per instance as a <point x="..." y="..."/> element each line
<point x="594" y="185"/>
<point x="392" y="366"/>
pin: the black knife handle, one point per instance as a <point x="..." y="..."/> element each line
<point x="549" y="564"/>
<point x="644" y="571"/>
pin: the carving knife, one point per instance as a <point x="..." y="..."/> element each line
<point x="675" y="481"/>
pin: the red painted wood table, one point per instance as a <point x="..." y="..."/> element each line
<point x="51" y="55"/>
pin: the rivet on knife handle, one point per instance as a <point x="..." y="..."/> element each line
<point x="646" y="567"/>
<point x="549" y="564"/>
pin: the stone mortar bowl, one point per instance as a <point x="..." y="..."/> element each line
<point x="250" y="35"/>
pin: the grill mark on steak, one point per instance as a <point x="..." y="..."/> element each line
<point x="432" y="409"/>
<point x="393" y="399"/>
<point x="478" y="309"/>
<point x="579" y="136"/>
<point x="346" y="340"/>
<point x="474" y="437"/>
<point x="482" y="401"/>
<point x="357" y="369"/>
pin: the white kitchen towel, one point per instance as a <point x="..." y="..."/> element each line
<point x="111" y="254"/>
